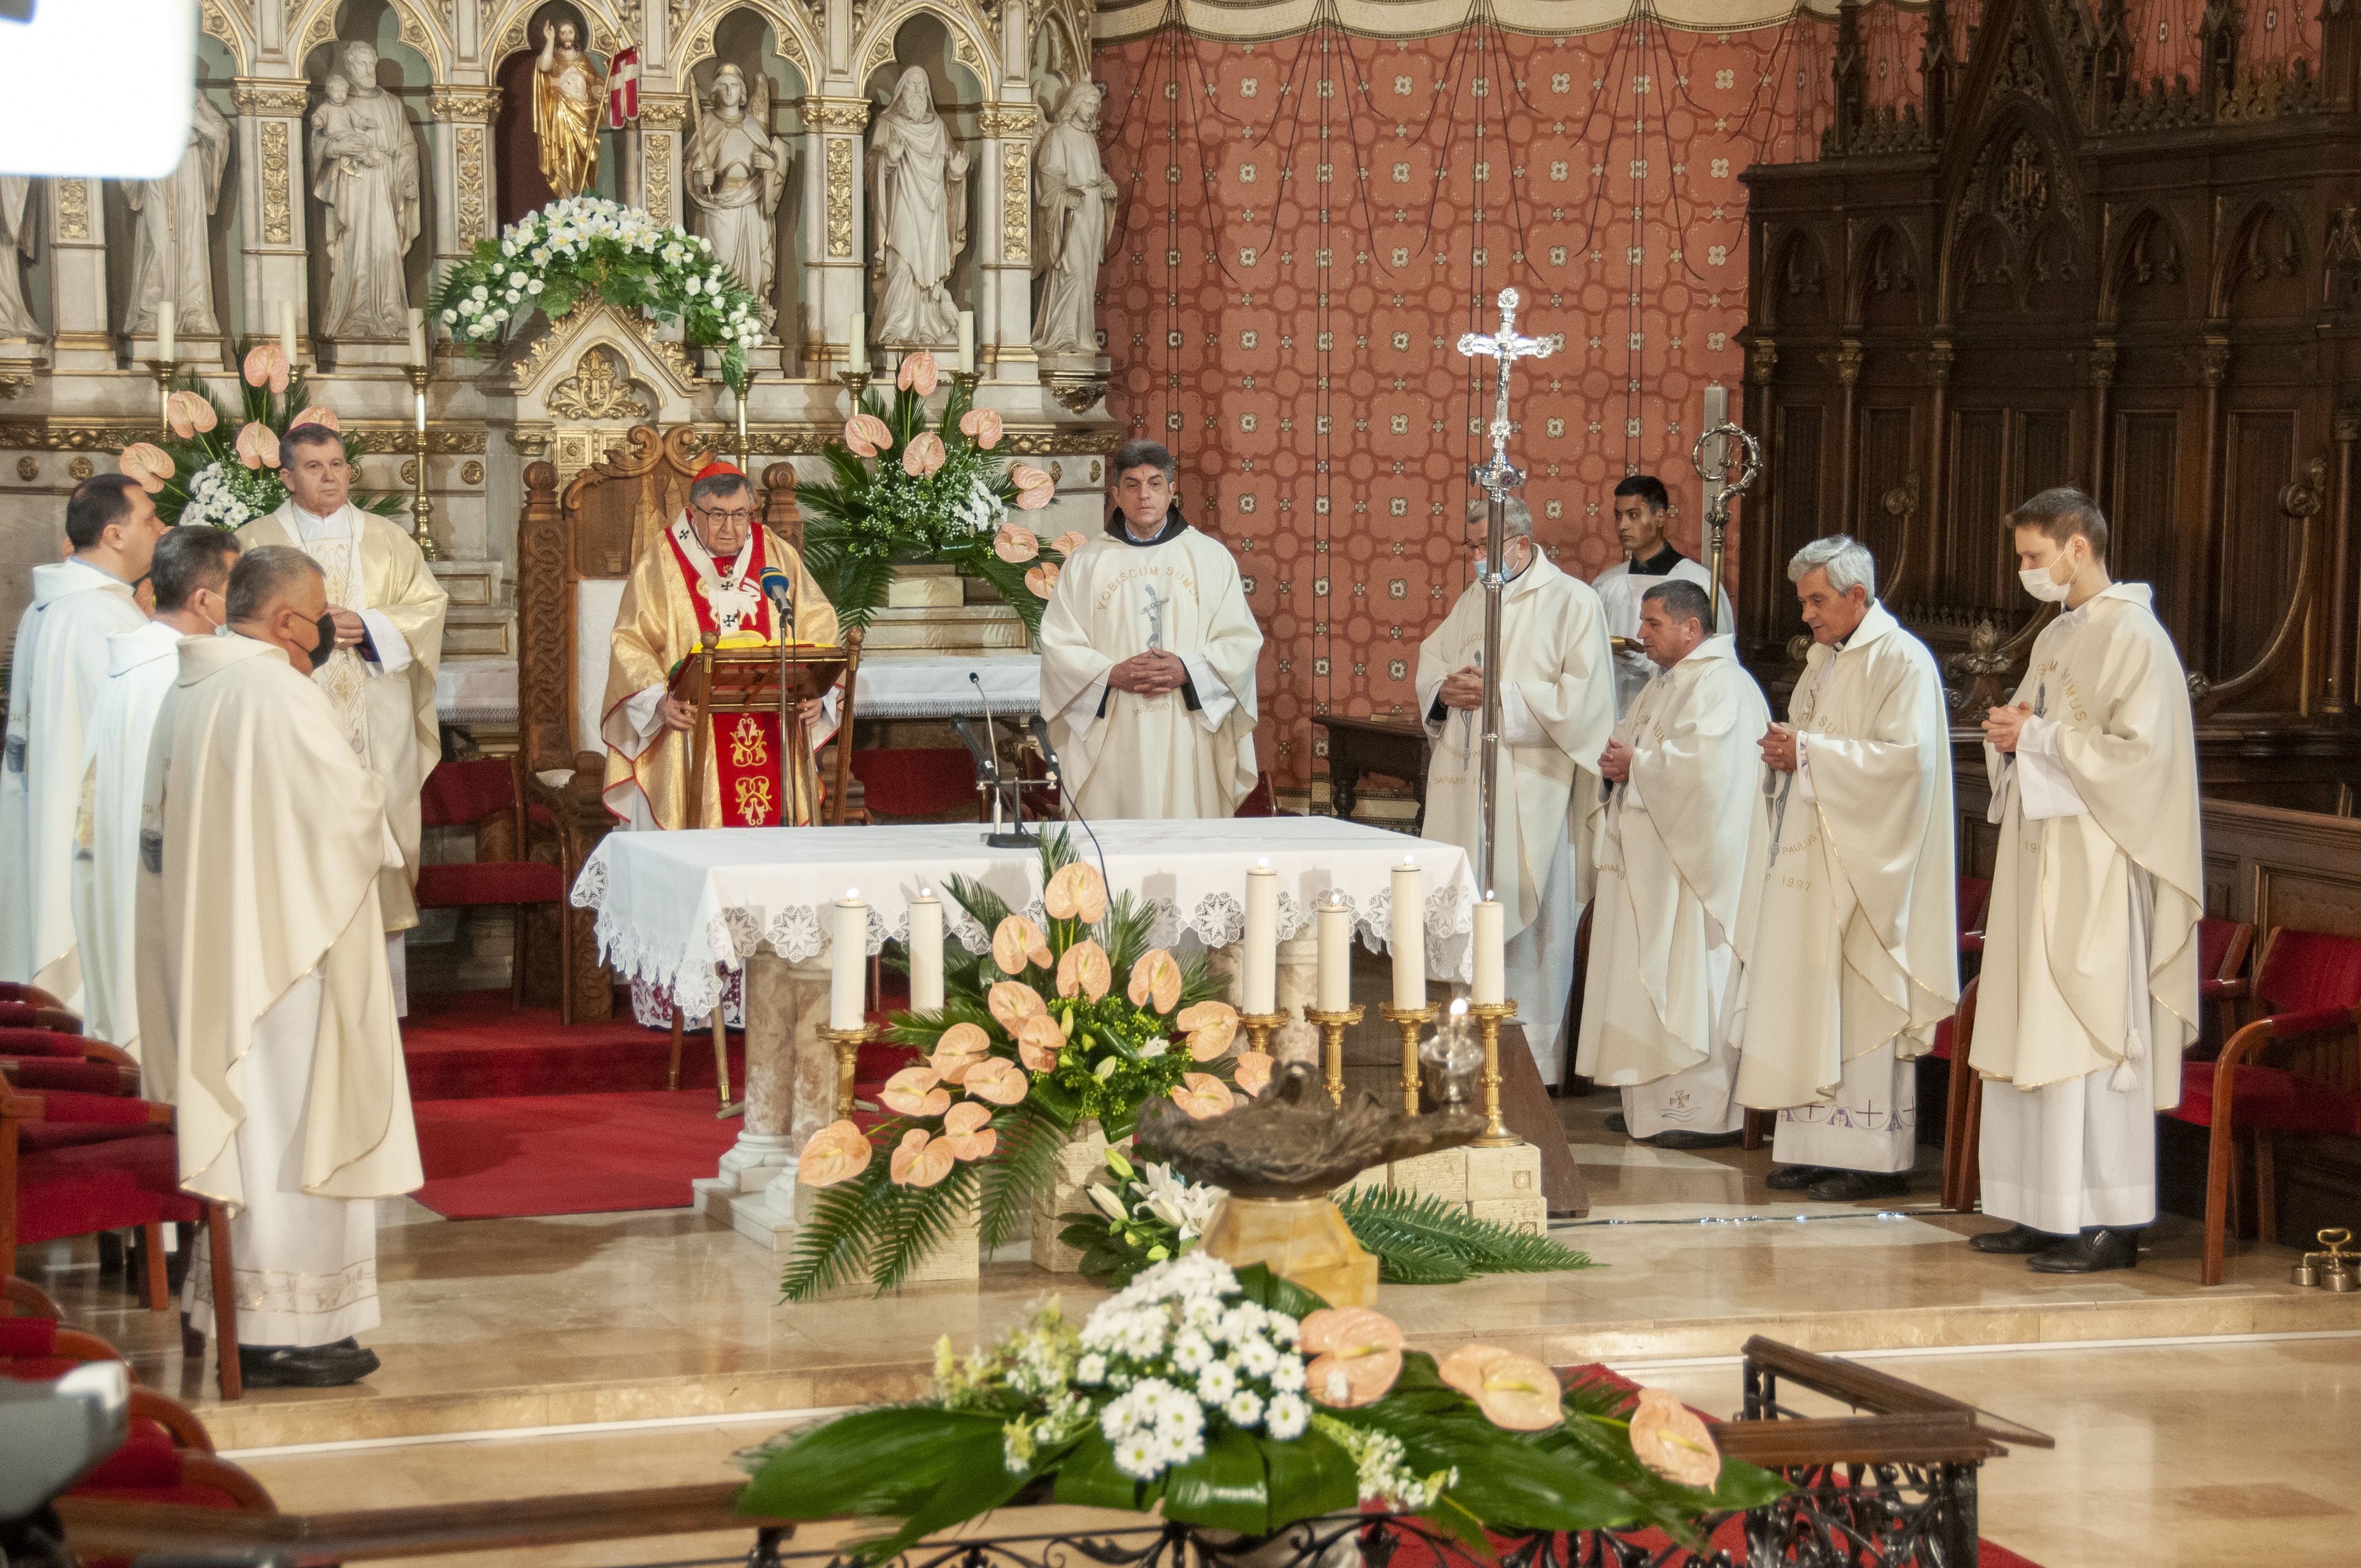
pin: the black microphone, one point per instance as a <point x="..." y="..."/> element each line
<point x="780" y="589"/>
<point x="1015" y="838"/>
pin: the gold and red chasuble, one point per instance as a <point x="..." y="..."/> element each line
<point x="677" y="594"/>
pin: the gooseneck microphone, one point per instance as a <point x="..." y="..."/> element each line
<point x="1012" y="837"/>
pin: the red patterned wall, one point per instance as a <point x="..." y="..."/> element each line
<point x="1310" y="225"/>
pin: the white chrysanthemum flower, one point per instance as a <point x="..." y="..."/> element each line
<point x="1191" y="1351"/>
<point x="1091" y="1370"/>
<point x="516" y="280"/>
<point x="1288" y="1416"/>
<point x="1288" y="1375"/>
<point x="1257" y="1357"/>
<point x="1243" y="1408"/>
<point x="479" y="293"/>
<point x="1217" y="1383"/>
<point x="1137" y="1458"/>
<point x="1281" y="1328"/>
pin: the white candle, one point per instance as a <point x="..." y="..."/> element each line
<point x="164" y="331"/>
<point x="856" y="343"/>
<point x="418" y="337"/>
<point x="287" y="330"/>
<point x="1491" y="984"/>
<point x="1335" y="935"/>
<point x="925" y="952"/>
<point x="848" y="973"/>
<point x="967" y="342"/>
<point x="1717" y="405"/>
<point x="1408" y="936"/>
<point x="422" y="412"/>
<point x="1258" y="975"/>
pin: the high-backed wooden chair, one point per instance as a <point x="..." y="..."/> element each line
<point x="575" y="551"/>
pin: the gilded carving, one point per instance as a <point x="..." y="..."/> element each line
<point x="478" y="104"/>
<point x="73" y="209"/>
<point x="836" y="113"/>
<point x="840" y="196"/>
<point x="468" y="146"/>
<point x="668" y="113"/>
<point x="377" y="436"/>
<point x="471" y="473"/>
<point x="1017" y="121"/>
<point x="215" y="21"/>
<point x="15" y="385"/>
<point x="1015" y="200"/>
<point x="600" y="389"/>
<point x="81" y="469"/>
<point x="552" y="345"/>
<point x="278" y="214"/>
<point x="27" y="468"/>
<point x="656" y="150"/>
<point x="267" y="98"/>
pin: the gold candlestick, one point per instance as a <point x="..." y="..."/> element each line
<point x="848" y="1044"/>
<point x="1332" y="1025"/>
<point x="422" y="508"/>
<point x="1496" y="1133"/>
<point x="967" y="381"/>
<point x="854" y="381"/>
<point x="1410" y="1020"/>
<point x="745" y="462"/>
<point x="1259" y="1027"/>
<point x="165" y="369"/>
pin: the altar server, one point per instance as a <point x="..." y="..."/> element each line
<point x="58" y="665"/>
<point x="1557" y="709"/>
<point x="1148" y="658"/>
<point x="1856" y="949"/>
<point x="1681" y="838"/>
<point x="1642" y="504"/>
<point x="266" y="1003"/>
<point x="701" y="579"/>
<point x="2089" y="993"/>
<point x="190" y="579"/>
<point x="379" y="676"/>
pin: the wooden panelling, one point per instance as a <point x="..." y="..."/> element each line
<point x="1797" y="450"/>
<point x="1888" y="460"/>
<point x="2144" y="495"/>
<point x="1979" y="450"/>
<point x="2259" y="562"/>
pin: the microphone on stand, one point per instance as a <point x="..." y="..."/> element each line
<point x="1016" y="838"/>
<point x="780" y="589"/>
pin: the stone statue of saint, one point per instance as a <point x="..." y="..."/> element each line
<point x="16" y="241"/>
<point x="364" y="168"/>
<point x="171" y="244"/>
<point x="1076" y="201"/>
<point x="917" y="217"/>
<point x="736" y="170"/>
<point x="566" y="105"/>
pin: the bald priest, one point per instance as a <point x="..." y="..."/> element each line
<point x="715" y="575"/>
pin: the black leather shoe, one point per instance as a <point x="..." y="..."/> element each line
<point x="1851" y="1186"/>
<point x="1682" y="1138"/>
<point x="2017" y="1241"/>
<point x="1796" y="1178"/>
<point x="1618" y="1123"/>
<point x="304" y="1366"/>
<point x="2095" y="1251"/>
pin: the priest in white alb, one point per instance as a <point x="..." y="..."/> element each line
<point x="189" y="577"/>
<point x="1642" y="504"/>
<point x="1856" y="958"/>
<point x="1148" y="658"/>
<point x="1557" y="709"/>
<point x="2089" y="986"/>
<point x="57" y="667"/>
<point x="1680" y="838"/>
<point x="379" y="677"/>
<point x="266" y="1004"/>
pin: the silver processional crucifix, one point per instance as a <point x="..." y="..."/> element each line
<point x="1497" y="477"/>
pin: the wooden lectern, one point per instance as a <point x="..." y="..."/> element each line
<point x="776" y="679"/>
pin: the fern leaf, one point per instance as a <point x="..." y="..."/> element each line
<point x="984" y="906"/>
<point x="1029" y="1142"/>
<point x="1404" y="1265"/>
<point x="918" y="1221"/>
<point x="1386" y="1219"/>
<point x="834" y="1244"/>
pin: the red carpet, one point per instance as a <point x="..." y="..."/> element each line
<point x="471" y="1045"/>
<point x="568" y="1153"/>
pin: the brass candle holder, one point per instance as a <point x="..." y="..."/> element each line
<point x="164" y="370"/>
<point x="967" y="381"/>
<point x="1259" y="1028"/>
<point x="1496" y="1133"/>
<point x="848" y="1044"/>
<point x="1332" y="1027"/>
<point x="424" y="506"/>
<point x="854" y="381"/>
<point x="1410" y="1021"/>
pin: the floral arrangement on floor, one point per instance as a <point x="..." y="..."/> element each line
<point x="548" y="260"/>
<point x="222" y="469"/>
<point x="907" y="492"/>
<point x="1236" y="1400"/>
<point x="1151" y="1213"/>
<point x="1033" y="1038"/>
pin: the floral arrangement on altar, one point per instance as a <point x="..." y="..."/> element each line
<point x="1032" y="1039"/>
<point x="905" y="492"/>
<point x="222" y="469"/>
<point x="548" y="260"/>
<point x="1238" y="1400"/>
<point x="1151" y="1213"/>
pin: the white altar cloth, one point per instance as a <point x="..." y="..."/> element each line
<point x="894" y="686"/>
<point x="670" y="907"/>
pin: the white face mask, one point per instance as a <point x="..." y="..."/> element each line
<point x="2042" y="585"/>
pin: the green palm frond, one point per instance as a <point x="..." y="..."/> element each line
<point x="1400" y="1263"/>
<point x="1030" y="1138"/>
<point x="984" y="906"/>
<point x="921" y="1220"/>
<point x="1125" y="931"/>
<point x="834" y="1244"/>
<point x="1387" y="1219"/>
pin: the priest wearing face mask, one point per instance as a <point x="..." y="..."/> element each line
<point x="265" y="1005"/>
<point x="379" y="673"/>
<point x="190" y="578"/>
<point x="1557" y="709"/>
<point x="2089" y="987"/>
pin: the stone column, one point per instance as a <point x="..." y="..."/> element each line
<point x="460" y="140"/>
<point x="833" y="205"/>
<point x="81" y="336"/>
<point x="790" y="1093"/>
<point x="271" y="193"/>
<point x="1004" y="304"/>
<point x="663" y="155"/>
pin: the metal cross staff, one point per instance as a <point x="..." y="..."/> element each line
<point x="1497" y="477"/>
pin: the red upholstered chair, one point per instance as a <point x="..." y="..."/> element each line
<point x="1975" y="904"/>
<point x="75" y="1164"/>
<point x="17" y="991"/>
<point x="1260" y="801"/>
<point x="2311" y="984"/>
<point x="38" y="1059"/>
<point x="34" y="1015"/>
<point x="2222" y="947"/>
<point x="1963" y="1100"/>
<point x="472" y="793"/>
<point x="917" y="782"/>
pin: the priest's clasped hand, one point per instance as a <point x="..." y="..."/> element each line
<point x="351" y="631"/>
<point x="1463" y="688"/>
<point x="1151" y="674"/>
<point x="2003" y="725"/>
<point x="1779" y="748"/>
<point x="1615" y="763"/>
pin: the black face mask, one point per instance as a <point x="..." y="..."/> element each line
<point x="326" y="627"/>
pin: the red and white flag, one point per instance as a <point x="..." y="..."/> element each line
<point x="624" y="88"/>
